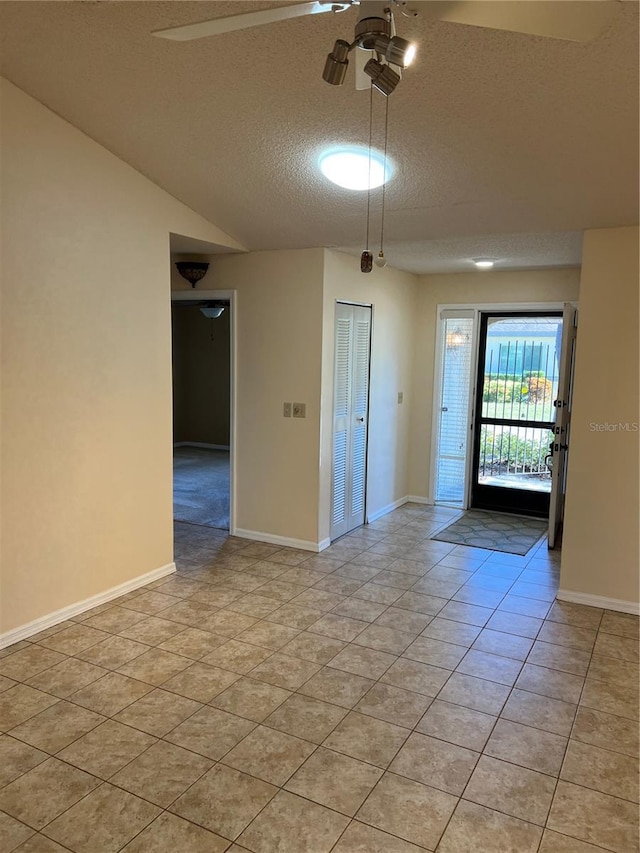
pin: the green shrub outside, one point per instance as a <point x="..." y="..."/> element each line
<point x="505" y="388"/>
<point x="509" y="453"/>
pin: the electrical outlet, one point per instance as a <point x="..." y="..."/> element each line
<point x="286" y="410"/>
<point x="299" y="410"/>
<point x="400" y="397"/>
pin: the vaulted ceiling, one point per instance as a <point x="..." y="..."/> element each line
<point x="506" y="145"/>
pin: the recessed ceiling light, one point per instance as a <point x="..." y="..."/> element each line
<point x="352" y="168"/>
<point x="484" y="263"/>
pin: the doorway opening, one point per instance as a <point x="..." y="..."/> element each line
<point x="502" y="405"/>
<point x="202" y="334"/>
<point x="516" y="386"/>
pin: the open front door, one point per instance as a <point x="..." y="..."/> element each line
<point x="518" y="369"/>
<point x="560" y="446"/>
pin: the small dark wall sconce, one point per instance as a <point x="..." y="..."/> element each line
<point x="192" y="271"/>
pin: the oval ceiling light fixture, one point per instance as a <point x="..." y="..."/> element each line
<point x="484" y="263"/>
<point x="351" y="167"/>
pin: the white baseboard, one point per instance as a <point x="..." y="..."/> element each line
<point x="285" y="541"/>
<point x="378" y="513"/>
<point x="201" y="444"/>
<point x="43" y="622"/>
<point x="599" y="601"/>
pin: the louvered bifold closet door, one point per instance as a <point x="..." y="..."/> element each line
<point x="351" y="400"/>
<point x="360" y="404"/>
<point x="342" y="406"/>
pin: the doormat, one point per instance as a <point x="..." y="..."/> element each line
<point x="496" y="531"/>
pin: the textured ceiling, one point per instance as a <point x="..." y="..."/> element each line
<point x="510" y="251"/>
<point x="492" y="133"/>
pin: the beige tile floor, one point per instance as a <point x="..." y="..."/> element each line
<point x="393" y="694"/>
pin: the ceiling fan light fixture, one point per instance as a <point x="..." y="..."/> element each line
<point x="383" y="78"/>
<point x="212" y="312"/>
<point x="367" y="30"/>
<point x="395" y="50"/>
<point x="335" y="67"/>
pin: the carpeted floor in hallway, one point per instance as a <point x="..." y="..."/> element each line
<point x="201" y="486"/>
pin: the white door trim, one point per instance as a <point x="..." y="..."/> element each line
<point x="232" y="297"/>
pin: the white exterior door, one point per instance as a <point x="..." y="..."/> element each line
<point x="560" y="446"/>
<point x="351" y="405"/>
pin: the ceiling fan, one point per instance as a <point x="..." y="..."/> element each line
<point x="382" y="54"/>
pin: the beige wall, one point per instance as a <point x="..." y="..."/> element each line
<point x="284" y="352"/>
<point x="393" y="295"/>
<point x="86" y="365"/>
<point x="86" y="377"/>
<point x="201" y="375"/>
<point x="535" y="286"/>
<point x="600" y="542"/>
<point x="278" y="356"/>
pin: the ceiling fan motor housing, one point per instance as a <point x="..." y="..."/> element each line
<point x="368" y="29"/>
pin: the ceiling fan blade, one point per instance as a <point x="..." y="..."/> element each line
<point x="361" y="57"/>
<point x="571" y="20"/>
<point x="249" y="19"/>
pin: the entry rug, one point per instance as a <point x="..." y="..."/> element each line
<point x="496" y="531"/>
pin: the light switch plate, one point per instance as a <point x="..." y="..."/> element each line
<point x="286" y="410"/>
<point x="400" y="397"/>
<point x="299" y="410"/>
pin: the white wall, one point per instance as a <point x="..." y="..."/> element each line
<point x="86" y="365"/>
<point x="477" y="287"/>
<point x="600" y="541"/>
<point x="393" y="296"/>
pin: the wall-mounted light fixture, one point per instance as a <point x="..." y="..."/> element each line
<point x="456" y="339"/>
<point x="192" y="271"/>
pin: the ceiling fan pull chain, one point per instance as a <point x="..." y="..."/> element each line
<point x="366" y="259"/>
<point x="381" y="260"/>
<point x="369" y="171"/>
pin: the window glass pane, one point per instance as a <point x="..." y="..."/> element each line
<point x="454" y="404"/>
<point x="521" y="368"/>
